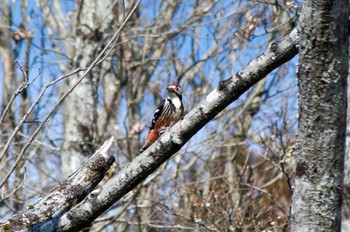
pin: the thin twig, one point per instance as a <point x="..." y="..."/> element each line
<point x="19" y="125"/>
<point x="54" y="108"/>
<point x="25" y="84"/>
<point x="3" y="197"/>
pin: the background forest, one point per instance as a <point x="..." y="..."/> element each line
<point x="61" y="100"/>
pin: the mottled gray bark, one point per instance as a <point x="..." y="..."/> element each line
<point x="40" y="216"/>
<point x="345" y="220"/>
<point x="322" y="75"/>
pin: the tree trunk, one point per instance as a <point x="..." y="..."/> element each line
<point x="345" y="220"/>
<point x="80" y="109"/>
<point x="322" y="73"/>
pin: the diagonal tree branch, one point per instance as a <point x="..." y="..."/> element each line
<point x="66" y="194"/>
<point x="170" y="142"/>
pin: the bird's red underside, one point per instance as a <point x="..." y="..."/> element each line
<point x="154" y="134"/>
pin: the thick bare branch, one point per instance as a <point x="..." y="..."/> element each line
<point x="50" y="217"/>
<point x="172" y="140"/>
<point x="66" y="194"/>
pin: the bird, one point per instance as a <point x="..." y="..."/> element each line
<point x="168" y="112"/>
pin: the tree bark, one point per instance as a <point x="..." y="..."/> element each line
<point x="345" y="220"/>
<point x="322" y="74"/>
<point x="80" y="109"/>
<point x="40" y="216"/>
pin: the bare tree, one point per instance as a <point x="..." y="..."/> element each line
<point x="323" y="73"/>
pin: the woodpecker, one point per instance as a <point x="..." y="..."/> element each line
<point x="169" y="111"/>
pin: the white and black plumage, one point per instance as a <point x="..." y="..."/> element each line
<point x="169" y="111"/>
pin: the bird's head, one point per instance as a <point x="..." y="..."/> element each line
<point x="174" y="90"/>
